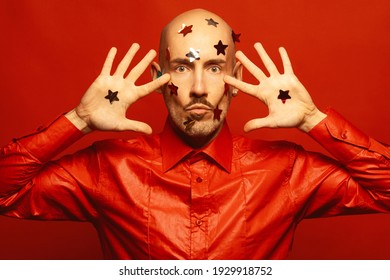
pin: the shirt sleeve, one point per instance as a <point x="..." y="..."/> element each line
<point x="358" y="181"/>
<point x="34" y="186"/>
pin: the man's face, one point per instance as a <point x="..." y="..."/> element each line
<point x="199" y="104"/>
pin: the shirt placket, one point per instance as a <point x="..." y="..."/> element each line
<point x="199" y="209"/>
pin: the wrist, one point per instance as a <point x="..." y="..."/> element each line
<point x="78" y="122"/>
<point x="311" y="120"/>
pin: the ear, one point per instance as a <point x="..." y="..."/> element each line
<point x="156" y="72"/>
<point x="237" y="73"/>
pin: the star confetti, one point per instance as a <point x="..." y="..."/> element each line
<point x="217" y="113"/>
<point x="283" y="95"/>
<point x="189" y="123"/>
<point x="236" y="37"/>
<point x="185" y="29"/>
<point x="112" y="96"/>
<point x="220" y="47"/>
<point x="226" y="90"/>
<point x="212" y="22"/>
<point x="173" y="89"/>
<point x="193" y="55"/>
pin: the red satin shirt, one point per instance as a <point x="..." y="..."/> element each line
<point x="154" y="197"/>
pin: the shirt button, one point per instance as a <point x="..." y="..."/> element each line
<point x="199" y="222"/>
<point x="344" y="134"/>
<point x="199" y="180"/>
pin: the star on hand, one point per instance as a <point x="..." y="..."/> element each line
<point x="112" y="96"/>
<point x="185" y="29"/>
<point x="220" y="47"/>
<point x="283" y="95"/>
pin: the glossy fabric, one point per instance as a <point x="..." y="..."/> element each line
<point x="156" y="198"/>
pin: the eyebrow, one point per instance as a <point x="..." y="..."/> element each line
<point x="186" y="61"/>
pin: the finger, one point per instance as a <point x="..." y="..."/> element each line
<point x="126" y="124"/>
<point x="153" y="85"/>
<point x="268" y="63"/>
<point x="286" y="61"/>
<point x="259" y="123"/>
<point x="137" y="71"/>
<point x="252" y="68"/>
<point x="124" y="64"/>
<point x="106" y="70"/>
<point x="244" y="87"/>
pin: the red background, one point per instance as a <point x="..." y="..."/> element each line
<point x="52" y="50"/>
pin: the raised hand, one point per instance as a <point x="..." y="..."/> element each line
<point x="104" y="105"/>
<point x="289" y="103"/>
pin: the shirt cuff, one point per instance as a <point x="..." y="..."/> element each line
<point x="49" y="141"/>
<point x="343" y="140"/>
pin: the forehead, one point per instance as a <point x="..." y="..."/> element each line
<point x="208" y="34"/>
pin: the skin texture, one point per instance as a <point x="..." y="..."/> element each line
<point x="198" y="108"/>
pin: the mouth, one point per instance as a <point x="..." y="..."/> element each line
<point x="198" y="109"/>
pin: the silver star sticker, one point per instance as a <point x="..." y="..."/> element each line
<point x="211" y="22"/>
<point x="193" y="55"/>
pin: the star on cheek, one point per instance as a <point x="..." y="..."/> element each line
<point x="185" y="29"/>
<point x="112" y="96"/>
<point x="220" y="47"/>
<point x="193" y="55"/>
<point x="217" y="114"/>
<point x="212" y="22"/>
<point x="173" y="89"/>
<point x="283" y="95"/>
<point x="236" y="37"/>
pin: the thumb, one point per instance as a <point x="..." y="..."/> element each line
<point x="126" y="124"/>
<point x="259" y="123"/>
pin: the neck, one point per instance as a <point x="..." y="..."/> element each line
<point x="195" y="141"/>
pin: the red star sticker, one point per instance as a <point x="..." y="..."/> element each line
<point x="185" y="29"/>
<point x="220" y="47"/>
<point x="226" y="90"/>
<point x="217" y="113"/>
<point x="173" y="89"/>
<point x="236" y="37"/>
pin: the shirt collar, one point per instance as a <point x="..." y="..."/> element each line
<point x="174" y="149"/>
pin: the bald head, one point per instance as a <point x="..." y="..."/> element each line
<point x="197" y="29"/>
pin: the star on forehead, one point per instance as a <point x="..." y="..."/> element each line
<point x="112" y="96"/>
<point x="185" y="29"/>
<point x="217" y="113"/>
<point x="236" y="37"/>
<point x="193" y="55"/>
<point x="220" y="47"/>
<point x="212" y="22"/>
<point x="283" y="95"/>
<point x="173" y="89"/>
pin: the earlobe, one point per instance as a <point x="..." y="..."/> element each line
<point x="237" y="73"/>
<point x="156" y="72"/>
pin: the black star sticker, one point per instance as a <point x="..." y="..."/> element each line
<point x="212" y="22"/>
<point x="283" y="95"/>
<point x="220" y="47"/>
<point x="217" y="113"/>
<point x="112" y="96"/>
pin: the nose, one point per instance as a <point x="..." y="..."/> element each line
<point x="198" y="88"/>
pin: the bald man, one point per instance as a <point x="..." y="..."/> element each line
<point x="194" y="191"/>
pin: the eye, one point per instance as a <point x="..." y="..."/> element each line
<point x="215" y="69"/>
<point x="180" y="68"/>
